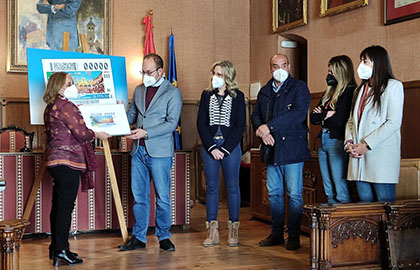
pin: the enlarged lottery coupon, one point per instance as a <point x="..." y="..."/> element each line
<point x="92" y="77"/>
<point x="109" y="118"/>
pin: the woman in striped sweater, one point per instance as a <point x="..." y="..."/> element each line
<point x="221" y="123"/>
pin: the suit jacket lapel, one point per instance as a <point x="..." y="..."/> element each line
<point x="142" y="100"/>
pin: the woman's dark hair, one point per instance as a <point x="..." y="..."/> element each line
<point x="382" y="72"/>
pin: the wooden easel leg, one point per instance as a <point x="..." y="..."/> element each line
<point x="115" y="191"/>
<point x="66" y="41"/>
<point x="83" y="41"/>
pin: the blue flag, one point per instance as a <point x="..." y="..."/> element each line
<point x="174" y="80"/>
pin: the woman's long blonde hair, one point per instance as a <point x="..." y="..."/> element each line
<point x="55" y="83"/>
<point x="229" y="75"/>
<point x="342" y="68"/>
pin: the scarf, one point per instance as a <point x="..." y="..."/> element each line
<point x="87" y="177"/>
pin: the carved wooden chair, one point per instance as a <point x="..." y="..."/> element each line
<point x="124" y="144"/>
<point x="15" y="139"/>
<point x="403" y="234"/>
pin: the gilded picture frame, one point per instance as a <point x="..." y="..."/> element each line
<point x="27" y="29"/>
<point x="288" y="14"/>
<point x="332" y="7"/>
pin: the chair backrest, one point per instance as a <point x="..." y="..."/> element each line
<point x="124" y="144"/>
<point x="15" y="139"/>
<point x="403" y="233"/>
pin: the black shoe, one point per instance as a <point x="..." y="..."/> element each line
<point x="74" y="254"/>
<point x="65" y="257"/>
<point x="167" y="245"/>
<point x="272" y="240"/>
<point x="293" y="244"/>
<point x="132" y="244"/>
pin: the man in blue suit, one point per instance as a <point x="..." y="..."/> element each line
<point x="61" y="18"/>
<point x="279" y="118"/>
<point x="155" y="109"/>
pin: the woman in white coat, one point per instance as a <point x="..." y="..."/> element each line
<point x="373" y="137"/>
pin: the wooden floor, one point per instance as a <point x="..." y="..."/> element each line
<point x="99" y="250"/>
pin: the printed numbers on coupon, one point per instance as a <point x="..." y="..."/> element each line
<point x="95" y="66"/>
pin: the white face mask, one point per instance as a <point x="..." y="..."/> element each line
<point x="280" y="75"/>
<point x="217" y="82"/>
<point x="71" y="92"/>
<point x="148" y="80"/>
<point x="364" y="71"/>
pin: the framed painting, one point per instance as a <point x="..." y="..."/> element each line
<point x="401" y="10"/>
<point x="331" y="7"/>
<point x="288" y="14"/>
<point x="36" y="24"/>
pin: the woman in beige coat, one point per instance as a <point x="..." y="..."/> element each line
<point x="373" y="138"/>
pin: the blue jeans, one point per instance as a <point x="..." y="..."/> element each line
<point x="384" y="192"/>
<point x="333" y="162"/>
<point x="143" y="169"/>
<point x="291" y="175"/>
<point x="230" y="165"/>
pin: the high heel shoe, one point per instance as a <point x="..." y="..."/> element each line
<point x="66" y="257"/>
<point x="74" y="254"/>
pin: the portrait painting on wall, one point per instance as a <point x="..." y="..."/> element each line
<point x="41" y="24"/>
<point x="288" y="14"/>
<point x="331" y="7"/>
<point x="401" y="10"/>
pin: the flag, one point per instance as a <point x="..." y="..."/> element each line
<point x="172" y="78"/>
<point x="172" y="63"/>
<point x="149" y="45"/>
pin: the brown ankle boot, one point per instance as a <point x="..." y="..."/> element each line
<point x="233" y="233"/>
<point x="212" y="234"/>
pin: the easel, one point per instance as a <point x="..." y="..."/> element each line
<point x="108" y="158"/>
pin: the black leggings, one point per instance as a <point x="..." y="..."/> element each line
<point x="65" y="188"/>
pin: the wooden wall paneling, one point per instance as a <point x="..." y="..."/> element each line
<point x="189" y="131"/>
<point x="313" y="129"/>
<point x="246" y="139"/>
<point x="254" y="141"/>
<point x="260" y="205"/>
<point x="409" y="185"/>
<point x="190" y="138"/>
<point x="410" y="129"/>
<point x="15" y="111"/>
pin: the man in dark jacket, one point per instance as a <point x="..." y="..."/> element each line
<point x="279" y="118"/>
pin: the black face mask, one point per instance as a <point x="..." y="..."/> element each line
<point x="331" y="81"/>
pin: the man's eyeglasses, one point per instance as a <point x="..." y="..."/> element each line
<point x="147" y="72"/>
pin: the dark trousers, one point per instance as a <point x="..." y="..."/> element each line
<point x="65" y="188"/>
